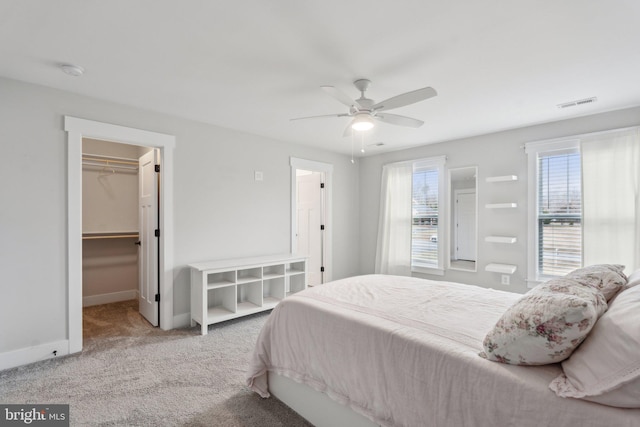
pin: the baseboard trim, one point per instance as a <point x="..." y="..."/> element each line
<point x="109" y="298"/>
<point x="25" y="356"/>
<point x="181" y="320"/>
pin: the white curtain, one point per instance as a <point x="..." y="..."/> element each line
<point x="393" y="254"/>
<point x="611" y="203"/>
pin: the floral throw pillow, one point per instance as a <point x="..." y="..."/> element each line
<point x="546" y="324"/>
<point x="609" y="278"/>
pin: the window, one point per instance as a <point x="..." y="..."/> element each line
<point x="426" y="204"/>
<point x="555" y="209"/>
<point x="559" y="214"/>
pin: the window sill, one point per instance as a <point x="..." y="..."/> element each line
<point x="427" y="270"/>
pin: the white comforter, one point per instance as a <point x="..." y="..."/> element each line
<point x="404" y="352"/>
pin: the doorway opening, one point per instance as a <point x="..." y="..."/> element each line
<point x="117" y="268"/>
<point x="311" y="217"/>
<point x="464" y="212"/>
<point x="77" y="129"/>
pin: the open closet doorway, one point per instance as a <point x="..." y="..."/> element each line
<point x="311" y="217"/>
<point x="77" y="129"/>
<point x="120" y="207"/>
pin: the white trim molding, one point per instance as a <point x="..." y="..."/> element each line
<point x="77" y="129"/>
<point x="25" y="356"/>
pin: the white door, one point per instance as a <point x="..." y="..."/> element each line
<point x="309" y="220"/>
<point x="465" y="226"/>
<point x="148" y="223"/>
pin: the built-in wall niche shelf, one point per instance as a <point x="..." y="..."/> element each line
<point x="504" y="178"/>
<point x="501" y="239"/>
<point x="501" y="205"/>
<point x="224" y="290"/>
<point x="501" y="268"/>
<point x="110" y="235"/>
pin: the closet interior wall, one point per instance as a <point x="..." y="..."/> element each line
<point x="109" y="221"/>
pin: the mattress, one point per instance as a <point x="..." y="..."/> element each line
<point x="404" y="352"/>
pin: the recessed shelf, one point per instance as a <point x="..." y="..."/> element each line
<point x="501" y="205"/>
<point x="501" y="268"/>
<point x="501" y="239"/>
<point x="504" y="178"/>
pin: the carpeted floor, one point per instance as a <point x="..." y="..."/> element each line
<point x="131" y="374"/>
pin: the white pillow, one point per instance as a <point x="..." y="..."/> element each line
<point x="606" y="367"/>
<point x="609" y="278"/>
<point x="546" y="324"/>
<point x="634" y="280"/>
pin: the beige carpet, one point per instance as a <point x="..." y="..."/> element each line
<point x="131" y="374"/>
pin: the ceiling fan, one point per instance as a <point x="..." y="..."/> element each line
<point x="364" y="110"/>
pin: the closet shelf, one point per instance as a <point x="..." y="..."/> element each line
<point x="110" y="235"/>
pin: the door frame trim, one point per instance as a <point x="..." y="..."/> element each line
<point x="77" y="129"/>
<point x="327" y="169"/>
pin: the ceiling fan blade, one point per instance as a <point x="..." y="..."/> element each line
<point x="406" y="99"/>
<point x="348" y="131"/>
<point x="395" y="119"/>
<point x="320" y="117"/>
<point x="340" y="96"/>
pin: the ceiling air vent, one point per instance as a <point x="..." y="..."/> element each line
<point x="578" y="102"/>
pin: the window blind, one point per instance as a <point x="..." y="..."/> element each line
<point x="559" y="213"/>
<point x="424" y="207"/>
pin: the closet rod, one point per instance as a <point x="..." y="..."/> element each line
<point x="111" y="236"/>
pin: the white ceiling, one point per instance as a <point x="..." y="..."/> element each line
<point x="252" y="65"/>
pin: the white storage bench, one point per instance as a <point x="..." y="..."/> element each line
<point x="223" y="290"/>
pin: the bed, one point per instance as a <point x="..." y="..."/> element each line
<point x="400" y="351"/>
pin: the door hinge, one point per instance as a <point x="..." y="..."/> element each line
<point x="322" y="227"/>
<point x="321" y="269"/>
<point x="157" y="232"/>
<point x="322" y="185"/>
<point x="157" y="168"/>
<point x="157" y="297"/>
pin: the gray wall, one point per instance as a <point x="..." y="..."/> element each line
<point x="495" y="155"/>
<point x="219" y="210"/>
<point x="109" y="204"/>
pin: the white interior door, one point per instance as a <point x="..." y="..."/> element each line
<point x="309" y="220"/>
<point x="148" y="224"/>
<point x="465" y="226"/>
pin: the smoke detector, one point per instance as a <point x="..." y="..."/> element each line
<point x="72" y="70"/>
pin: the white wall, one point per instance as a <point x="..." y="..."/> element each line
<point x="495" y="154"/>
<point x="109" y="204"/>
<point x="219" y="210"/>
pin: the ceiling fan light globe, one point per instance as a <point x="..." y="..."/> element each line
<point x="362" y="123"/>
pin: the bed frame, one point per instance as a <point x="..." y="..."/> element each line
<point x="314" y="406"/>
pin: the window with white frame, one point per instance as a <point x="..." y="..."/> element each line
<point x="427" y="203"/>
<point x="555" y="208"/>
